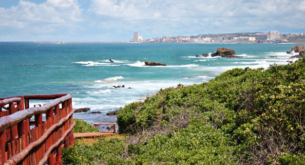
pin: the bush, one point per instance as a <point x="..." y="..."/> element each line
<point x="82" y="127"/>
<point x="244" y="116"/>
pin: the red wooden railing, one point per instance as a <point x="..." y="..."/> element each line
<point x="35" y="142"/>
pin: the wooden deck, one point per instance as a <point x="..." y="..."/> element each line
<point x="92" y="134"/>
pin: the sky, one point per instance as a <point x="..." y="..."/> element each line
<point x="116" y="20"/>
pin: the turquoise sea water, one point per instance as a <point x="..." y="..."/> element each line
<point x="84" y="70"/>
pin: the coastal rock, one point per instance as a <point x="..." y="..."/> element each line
<point x="81" y="110"/>
<point x="205" y="55"/>
<point x="272" y="56"/>
<point x="111" y="60"/>
<point x="297" y="56"/>
<point x="197" y="55"/>
<point x="288" y="52"/>
<point x="112" y="113"/>
<point x="96" y="112"/>
<point x="297" y="48"/>
<point x="302" y="53"/>
<point x="224" y="52"/>
<point x="154" y="63"/>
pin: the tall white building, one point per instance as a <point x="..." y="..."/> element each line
<point x="136" y="37"/>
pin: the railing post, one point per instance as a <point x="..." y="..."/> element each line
<point x="3" y="140"/>
<point x="26" y="103"/>
<point x="57" y="109"/>
<point x="59" y="154"/>
<point x="14" y="129"/>
<point x="51" y="158"/>
<point x="38" y="120"/>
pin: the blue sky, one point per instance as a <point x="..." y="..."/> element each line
<point x="116" y="20"/>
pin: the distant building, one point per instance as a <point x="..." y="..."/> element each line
<point x="273" y="35"/>
<point x="252" y="39"/>
<point x="244" y="39"/>
<point x="136" y="37"/>
<point x="261" y="36"/>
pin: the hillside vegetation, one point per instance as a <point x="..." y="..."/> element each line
<point x="243" y="116"/>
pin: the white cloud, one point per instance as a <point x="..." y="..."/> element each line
<point x="47" y="17"/>
<point x="69" y="19"/>
<point x="207" y="15"/>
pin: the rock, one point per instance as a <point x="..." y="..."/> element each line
<point x="129" y="87"/>
<point x="288" y="52"/>
<point x="297" y="56"/>
<point x="272" y="56"/>
<point x="112" y="113"/>
<point x="223" y="52"/>
<point x="110" y="127"/>
<point x="297" y="48"/>
<point x="205" y="55"/>
<point x="123" y="86"/>
<point x="81" y="110"/>
<point x="96" y="112"/>
<point x="232" y="57"/>
<point x="302" y="53"/>
<point x="111" y="60"/>
<point x="197" y="55"/>
<point x="154" y="63"/>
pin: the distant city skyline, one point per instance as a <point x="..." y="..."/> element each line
<point x="117" y="20"/>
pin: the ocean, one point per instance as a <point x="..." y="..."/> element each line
<point x="84" y="70"/>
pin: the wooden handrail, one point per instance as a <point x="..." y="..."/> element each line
<point x="21" y="142"/>
<point x="10" y="100"/>
<point x="43" y="97"/>
<point x="18" y="157"/>
<point x="45" y="157"/>
<point x="15" y="118"/>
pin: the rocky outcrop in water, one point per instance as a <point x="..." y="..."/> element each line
<point x="205" y="55"/>
<point x="297" y="48"/>
<point x="81" y="110"/>
<point x="112" y="113"/>
<point x="154" y="63"/>
<point x="224" y="52"/>
<point x="301" y="54"/>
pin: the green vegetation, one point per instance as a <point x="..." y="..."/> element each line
<point x="243" y="116"/>
<point x="82" y="126"/>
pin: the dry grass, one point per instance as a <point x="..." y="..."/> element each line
<point x="91" y="141"/>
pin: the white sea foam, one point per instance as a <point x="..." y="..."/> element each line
<point x="250" y="63"/>
<point x="142" y="64"/>
<point x="92" y="63"/>
<point x="282" y="54"/>
<point x="199" y="60"/>
<point x="137" y="64"/>
<point x="192" y="57"/>
<point x="110" y="80"/>
<point x="99" y="92"/>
